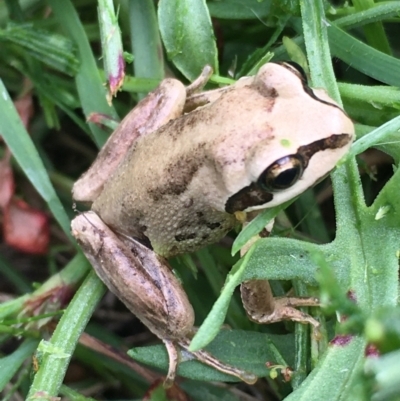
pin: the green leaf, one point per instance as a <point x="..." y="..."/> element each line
<point x="386" y="206"/>
<point x="317" y="46"/>
<point x="383" y="374"/>
<point x="257" y="225"/>
<point x="188" y="35"/>
<point x="247" y="350"/>
<point x="377" y="13"/>
<point x="215" y="319"/>
<point x="330" y="380"/>
<point x="146" y="41"/>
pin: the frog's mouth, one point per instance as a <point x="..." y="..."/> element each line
<point x="282" y="174"/>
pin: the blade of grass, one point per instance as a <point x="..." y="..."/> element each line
<point x="146" y="42"/>
<point x="374" y="138"/>
<point x="364" y="58"/>
<point x="317" y="47"/>
<point x="25" y="153"/>
<point x="111" y="43"/>
<point x="10" y="364"/>
<point x="374" y="32"/>
<point x="378" y="13"/>
<point x="92" y="92"/>
<point x="58" y="351"/>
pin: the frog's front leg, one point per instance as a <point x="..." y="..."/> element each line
<point x="144" y="282"/>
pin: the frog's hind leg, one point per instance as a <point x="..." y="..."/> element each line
<point x="263" y="308"/>
<point x="257" y="298"/>
<point x="173" y="358"/>
<point x="210" y="360"/>
<point x="201" y="356"/>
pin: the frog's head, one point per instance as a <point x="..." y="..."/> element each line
<point x="308" y="134"/>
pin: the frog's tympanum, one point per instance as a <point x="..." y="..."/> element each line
<point x="181" y="168"/>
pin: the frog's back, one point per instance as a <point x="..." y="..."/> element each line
<point x="169" y="190"/>
<point x="172" y="188"/>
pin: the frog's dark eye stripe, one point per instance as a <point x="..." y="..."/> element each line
<point x="251" y="195"/>
<point x="331" y="142"/>
<point x="282" y="174"/>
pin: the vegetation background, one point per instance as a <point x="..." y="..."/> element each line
<point x="55" y="57"/>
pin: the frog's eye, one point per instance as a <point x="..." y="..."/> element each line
<point x="282" y="174"/>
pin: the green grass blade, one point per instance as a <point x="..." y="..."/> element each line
<point x="58" y="351"/>
<point x="146" y="42"/>
<point x="317" y="46"/>
<point x="378" y="13"/>
<point x="374" y="31"/>
<point x="364" y="58"/>
<point x="376" y="137"/>
<point x="25" y="153"/>
<point x="92" y="93"/>
<point x="10" y="364"/>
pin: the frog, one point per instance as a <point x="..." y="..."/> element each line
<point x="185" y="167"/>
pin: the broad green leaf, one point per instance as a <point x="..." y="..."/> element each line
<point x="208" y="392"/>
<point x="188" y="35"/>
<point x="247" y="350"/>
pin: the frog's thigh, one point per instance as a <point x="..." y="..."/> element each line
<point x="165" y="103"/>
<point x="152" y="293"/>
<point x="263" y="308"/>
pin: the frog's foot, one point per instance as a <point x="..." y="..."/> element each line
<point x="285" y="309"/>
<point x="263" y="308"/>
<point x="210" y="360"/>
